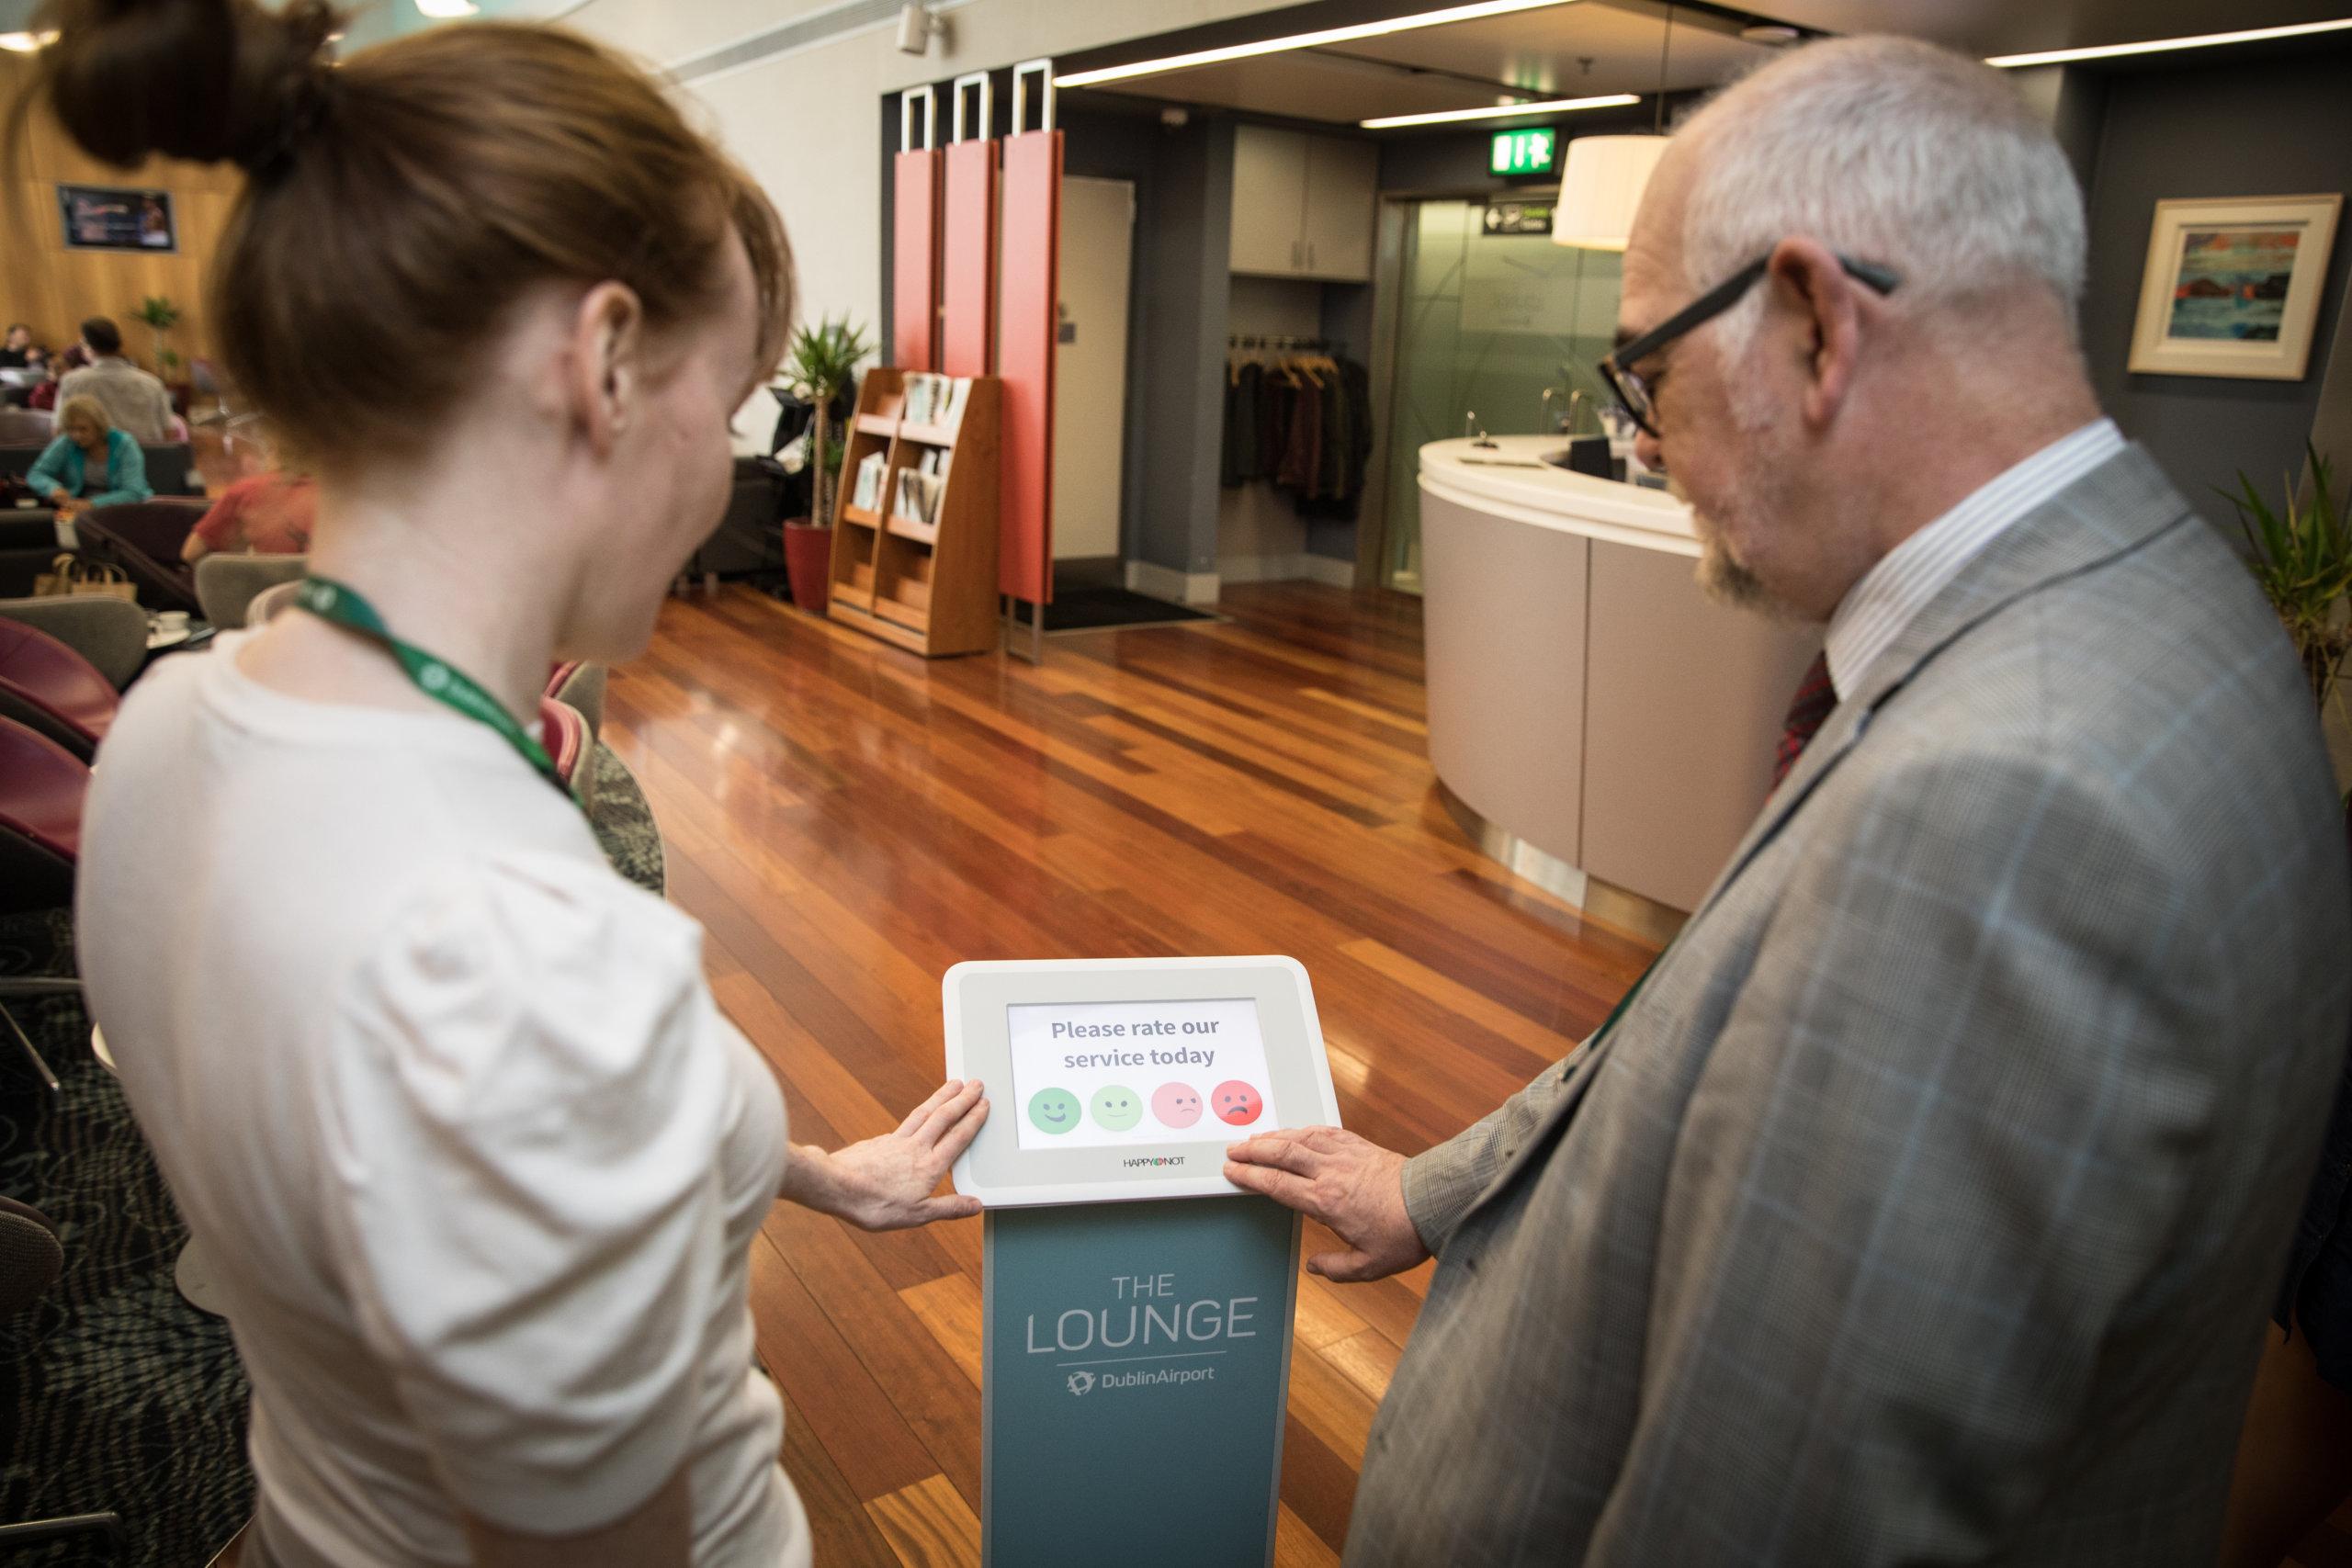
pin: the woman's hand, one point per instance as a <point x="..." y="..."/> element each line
<point x="886" y="1184"/>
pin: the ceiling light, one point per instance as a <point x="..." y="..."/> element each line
<point x="1550" y="106"/>
<point x="26" y="43"/>
<point x="1304" y="40"/>
<point x="447" y="10"/>
<point x="2159" y="46"/>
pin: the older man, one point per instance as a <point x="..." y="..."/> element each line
<point x="1924" y="1203"/>
<point x="135" y="400"/>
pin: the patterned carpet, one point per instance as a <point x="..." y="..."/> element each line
<point x="114" y="1392"/>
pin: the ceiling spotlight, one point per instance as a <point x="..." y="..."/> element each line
<point x="917" y="28"/>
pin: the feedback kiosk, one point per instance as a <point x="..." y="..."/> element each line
<point x="1137" y="1316"/>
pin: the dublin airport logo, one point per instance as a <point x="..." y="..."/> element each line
<point x="1080" y="1381"/>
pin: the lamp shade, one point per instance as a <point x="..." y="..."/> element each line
<point x="1600" y="189"/>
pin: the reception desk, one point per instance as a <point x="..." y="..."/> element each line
<point x="1597" y="722"/>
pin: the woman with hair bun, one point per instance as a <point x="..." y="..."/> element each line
<point x="446" y="1101"/>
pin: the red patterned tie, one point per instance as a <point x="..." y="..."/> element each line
<point x="1816" y="698"/>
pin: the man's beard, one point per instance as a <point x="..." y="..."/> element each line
<point x="1763" y="426"/>
<point x="1723" y="576"/>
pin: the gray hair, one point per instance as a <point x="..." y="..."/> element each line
<point x="1886" y="150"/>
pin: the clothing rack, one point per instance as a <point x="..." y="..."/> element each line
<point x="1252" y="340"/>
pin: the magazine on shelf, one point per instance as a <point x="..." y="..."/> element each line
<point x="918" y="499"/>
<point x="866" y="495"/>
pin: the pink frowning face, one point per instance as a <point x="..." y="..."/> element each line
<point x="1176" y="1104"/>
<point x="1237" y="1102"/>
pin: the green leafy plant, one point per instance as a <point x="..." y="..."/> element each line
<point x="823" y="364"/>
<point x="161" y="316"/>
<point x="2302" y="558"/>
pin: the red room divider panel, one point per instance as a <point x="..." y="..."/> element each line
<point x="967" y="259"/>
<point x="914" y="268"/>
<point x="1033" y="183"/>
<point x="915" y="179"/>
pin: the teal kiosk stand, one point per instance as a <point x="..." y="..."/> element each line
<point x="1136" y="1359"/>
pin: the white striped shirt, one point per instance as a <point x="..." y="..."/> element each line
<point x="1875" y="610"/>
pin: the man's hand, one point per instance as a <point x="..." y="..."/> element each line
<point x="1354" y="1186"/>
<point x="885" y="1183"/>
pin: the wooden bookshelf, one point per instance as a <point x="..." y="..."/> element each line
<point x="929" y="588"/>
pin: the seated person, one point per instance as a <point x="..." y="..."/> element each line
<point x="52" y="372"/>
<point x="135" y="400"/>
<point x="268" y="514"/>
<point x="17" y="350"/>
<point x="91" y="463"/>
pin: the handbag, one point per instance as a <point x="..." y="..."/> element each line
<point x="69" y="577"/>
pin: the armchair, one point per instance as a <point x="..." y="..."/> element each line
<point x="49" y="688"/>
<point x="226" y="585"/>
<point x="110" y="633"/>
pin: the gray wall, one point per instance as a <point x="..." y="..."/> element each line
<point x="2276" y="127"/>
<point x="1182" y="367"/>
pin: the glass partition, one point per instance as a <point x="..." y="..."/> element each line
<point x="1485" y="323"/>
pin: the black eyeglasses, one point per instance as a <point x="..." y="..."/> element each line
<point x="1634" y="393"/>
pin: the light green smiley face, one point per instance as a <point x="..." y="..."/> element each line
<point x="1053" y="1109"/>
<point x="1116" y="1108"/>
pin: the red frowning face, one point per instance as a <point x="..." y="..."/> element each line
<point x="1237" y="1102"/>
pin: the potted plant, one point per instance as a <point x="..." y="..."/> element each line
<point x="2303" y="557"/>
<point x="823" y="365"/>
<point x="161" y="316"/>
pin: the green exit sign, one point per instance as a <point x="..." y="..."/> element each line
<point x="1523" y="152"/>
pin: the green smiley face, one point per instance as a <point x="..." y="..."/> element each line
<point x="1116" y="1108"/>
<point x="1053" y="1109"/>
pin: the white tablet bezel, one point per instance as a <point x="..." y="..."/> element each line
<point x="1001" y="1174"/>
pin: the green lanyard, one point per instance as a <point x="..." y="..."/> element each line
<point x="437" y="678"/>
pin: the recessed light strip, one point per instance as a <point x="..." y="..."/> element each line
<point x="1305" y="40"/>
<point x="2159" y="46"/>
<point x="26" y="43"/>
<point x="1501" y="111"/>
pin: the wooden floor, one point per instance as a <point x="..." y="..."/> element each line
<point x="846" y="821"/>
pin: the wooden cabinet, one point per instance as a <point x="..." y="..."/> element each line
<point x="1303" y="205"/>
<point x="1269" y="199"/>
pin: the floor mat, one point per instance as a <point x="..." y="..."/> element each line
<point x="1095" y="609"/>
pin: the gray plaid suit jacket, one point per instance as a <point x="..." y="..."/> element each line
<point x="1926" y="1204"/>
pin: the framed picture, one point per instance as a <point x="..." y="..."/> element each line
<point x="2233" y="287"/>
<point x="109" y="218"/>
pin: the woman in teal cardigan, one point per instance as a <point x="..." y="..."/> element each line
<point x="91" y="463"/>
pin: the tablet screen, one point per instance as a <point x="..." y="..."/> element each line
<point x="1095" y="1074"/>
